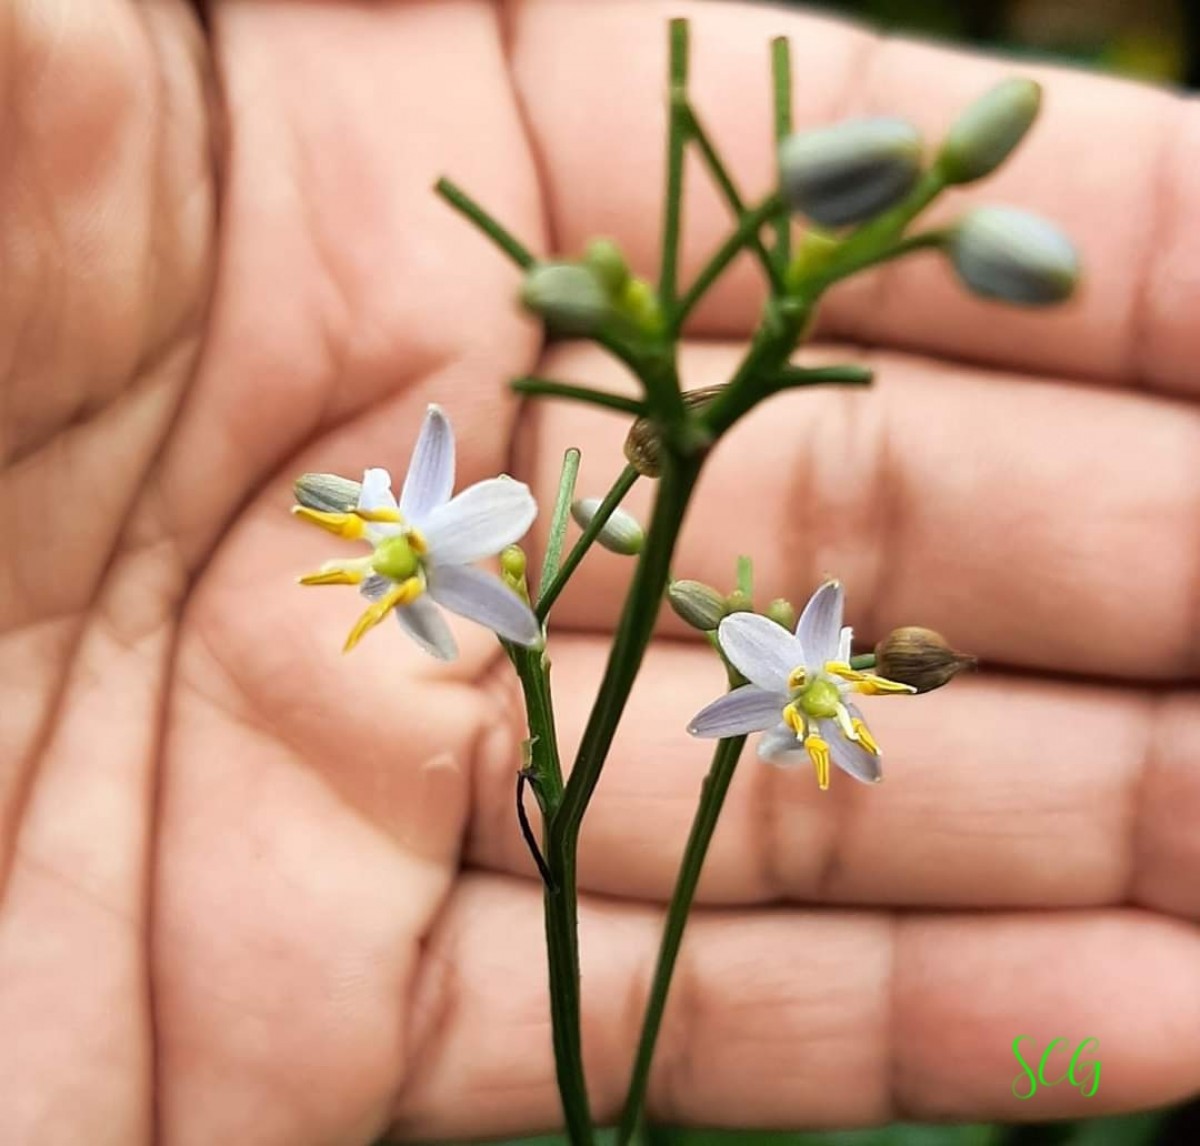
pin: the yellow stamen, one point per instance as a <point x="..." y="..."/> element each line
<point x="797" y="678"/>
<point x="866" y="682"/>
<point x="333" y="577"/>
<point x="399" y="595"/>
<point x="416" y="539"/>
<point x="864" y="737"/>
<point x="818" y="753"/>
<point x="842" y="716"/>
<point x="384" y="514"/>
<point x="794" y="719"/>
<point x="347" y="525"/>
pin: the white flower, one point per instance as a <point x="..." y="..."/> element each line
<point x="798" y="691"/>
<point x="423" y="547"/>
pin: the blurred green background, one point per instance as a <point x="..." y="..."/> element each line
<point x="1156" y="40"/>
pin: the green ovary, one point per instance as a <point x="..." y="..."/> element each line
<point x="394" y="558"/>
<point x="820" y="699"/>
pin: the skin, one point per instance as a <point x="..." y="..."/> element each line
<point x="256" y="893"/>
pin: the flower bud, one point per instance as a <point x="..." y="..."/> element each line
<point x="739" y="602"/>
<point x="326" y="492"/>
<point x="605" y="260"/>
<point x="512" y="570"/>
<point x="986" y="133"/>
<point x="569" y="297"/>
<point x="782" y="612"/>
<point x="1013" y="256"/>
<point x="696" y="604"/>
<point x="621" y="533"/>
<point x="919" y="657"/>
<point x="849" y="172"/>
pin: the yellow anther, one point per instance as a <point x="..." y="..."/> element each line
<point x="818" y="753"/>
<point x="845" y="723"/>
<point x="416" y="539"/>
<point x="384" y="513"/>
<point x="334" y="575"/>
<point x="397" y="596"/>
<point x="863" y="735"/>
<point x="872" y="685"/>
<point x="842" y="670"/>
<point x="797" y="678"/>
<point x="347" y="525"/>
<point x="794" y="719"/>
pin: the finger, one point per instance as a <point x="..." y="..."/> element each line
<point x="1072" y="514"/>
<point x="804" y="1018"/>
<point x="1108" y="160"/>
<point x="998" y="792"/>
<point x="381" y="297"/>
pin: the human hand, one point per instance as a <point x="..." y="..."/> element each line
<point x="255" y="893"/>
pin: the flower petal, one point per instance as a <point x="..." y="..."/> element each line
<point x="778" y="744"/>
<point x="376" y="492"/>
<point x="850" y="757"/>
<point x="430" y="478"/>
<point x="820" y="626"/>
<point x="423" y="621"/>
<point x="762" y="651"/>
<point x="479" y="522"/>
<point x="484" y="598"/>
<point x="845" y="644"/>
<point x="745" y="709"/>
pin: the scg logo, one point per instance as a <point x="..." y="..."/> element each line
<point x="1090" y="1081"/>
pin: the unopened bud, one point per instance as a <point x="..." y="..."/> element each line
<point x="919" y="657"/>
<point x="513" y="564"/>
<point x="569" y="297"/>
<point x="1013" y="256"/>
<point x="849" y="172"/>
<point x="621" y="533"/>
<point x="696" y="604"/>
<point x="639" y="303"/>
<point x="739" y="602"/>
<point x="986" y="133"/>
<point x="782" y="612"/>
<point x="326" y="492"/>
<point x="605" y="260"/>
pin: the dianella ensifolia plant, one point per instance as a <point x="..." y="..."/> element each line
<point x="859" y="187"/>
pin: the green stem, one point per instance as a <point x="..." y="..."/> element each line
<point x="549" y="591"/>
<point x="781" y="86"/>
<point x="549" y="388"/>
<point x="846" y="374"/>
<point x="496" y="231"/>
<point x="712" y="798"/>
<point x="736" y="203"/>
<point x="560" y="516"/>
<point x="851" y="260"/>
<point x="864" y="662"/>
<point x="749" y="224"/>
<point x="676" y="138"/>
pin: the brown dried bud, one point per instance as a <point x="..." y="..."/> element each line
<point x="643" y="446"/>
<point x="919" y="657"/>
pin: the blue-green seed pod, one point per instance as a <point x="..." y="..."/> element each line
<point x="1013" y="256"/>
<point x="621" y="533"/>
<point x="697" y="604"/>
<point x="569" y="297"/>
<point x="985" y="135"/>
<point x="326" y="492"/>
<point x="850" y="172"/>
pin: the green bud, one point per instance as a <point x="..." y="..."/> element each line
<point x="394" y="558"/>
<point x="919" y="657"/>
<point x="621" y="533"/>
<point x="783" y="613"/>
<point x="569" y="297"/>
<point x="850" y="172"/>
<point x="986" y="133"/>
<point x="696" y="604"/>
<point x="513" y="563"/>
<point x="1010" y="255"/>
<point x="639" y="303"/>
<point x="739" y="602"/>
<point x="605" y="260"/>
<point x="326" y="492"/>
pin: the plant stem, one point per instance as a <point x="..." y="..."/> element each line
<point x="549" y="590"/>
<point x="550" y="388"/>
<point x="750" y="224"/>
<point x="676" y="138"/>
<point x="560" y="516"/>
<point x="496" y="231"/>
<point x="850" y="261"/>
<point x="781" y="86"/>
<point x="864" y="662"/>
<point x="725" y="181"/>
<point x="712" y="798"/>
<point x="847" y="374"/>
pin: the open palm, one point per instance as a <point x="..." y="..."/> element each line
<point x="257" y="893"/>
